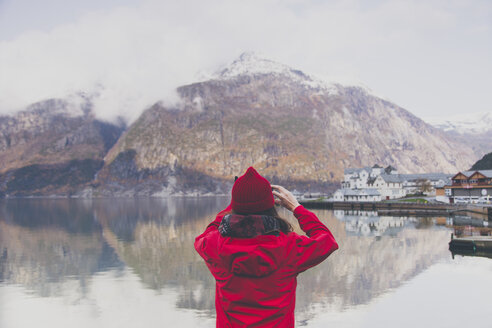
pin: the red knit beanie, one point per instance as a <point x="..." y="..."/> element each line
<point x="251" y="193"/>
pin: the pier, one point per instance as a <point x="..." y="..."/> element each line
<point x="471" y="246"/>
<point x="404" y="208"/>
<point x="472" y="243"/>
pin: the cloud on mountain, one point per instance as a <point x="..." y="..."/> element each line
<point x="134" y="55"/>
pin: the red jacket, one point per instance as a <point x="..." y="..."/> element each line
<point x="256" y="278"/>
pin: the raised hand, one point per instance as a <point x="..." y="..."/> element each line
<point x="284" y="198"/>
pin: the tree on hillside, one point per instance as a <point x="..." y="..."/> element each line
<point x="484" y="164"/>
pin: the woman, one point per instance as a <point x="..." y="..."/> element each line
<point x="255" y="257"/>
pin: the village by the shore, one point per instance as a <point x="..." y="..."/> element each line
<point x="377" y="183"/>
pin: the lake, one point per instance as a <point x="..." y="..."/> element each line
<point x="131" y="263"/>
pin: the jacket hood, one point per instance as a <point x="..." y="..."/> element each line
<point x="254" y="264"/>
<point x="253" y="257"/>
<point x="251" y="244"/>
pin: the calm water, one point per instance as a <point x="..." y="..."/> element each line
<point x="131" y="263"/>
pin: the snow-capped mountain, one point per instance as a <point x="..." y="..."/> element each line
<point x="252" y="64"/>
<point x="473" y="130"/>
<point x="464" y="124"/>
<point x="297" y="130"/>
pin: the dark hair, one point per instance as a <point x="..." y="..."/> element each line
<point x="285" y="226"/>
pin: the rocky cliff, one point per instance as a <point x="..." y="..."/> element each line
<point x="293" y="128"/>
<point x="54" y="147"/>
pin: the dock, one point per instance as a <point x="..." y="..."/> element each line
<point x="480" y="246"/>
<point x="403" y="208"/>
<point x="472" y="243"/>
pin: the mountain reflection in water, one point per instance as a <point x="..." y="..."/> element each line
<point x="50" y="246"/>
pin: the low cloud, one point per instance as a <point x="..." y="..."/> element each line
<point x="136" y="55"/>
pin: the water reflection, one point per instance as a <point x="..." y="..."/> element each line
<point x="47" y="245"/>
<point x="41" y="245"/>
<point x="46" y="242"/>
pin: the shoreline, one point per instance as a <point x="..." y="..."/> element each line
<point x="404" y="209"/>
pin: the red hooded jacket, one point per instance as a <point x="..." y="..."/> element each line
<point x="256" y="278"/>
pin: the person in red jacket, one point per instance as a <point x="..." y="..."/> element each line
<point x="255" y="257"/>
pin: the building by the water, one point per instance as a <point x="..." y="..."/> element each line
<point x="470" y="187"/>
<point x="377" y="183"/>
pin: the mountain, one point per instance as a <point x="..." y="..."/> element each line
<point x="464" y="124"/>
<point x="54" y="147"/>
<point x="474" y="130"/>
<point x="295" y="129"/>
<point x="483" y="164"/>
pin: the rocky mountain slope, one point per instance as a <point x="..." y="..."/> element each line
<point x="54" y="147"/>
<point x="293" y="128"/>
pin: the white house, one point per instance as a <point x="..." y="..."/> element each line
<point x="387" y="182"/>
<point x="389" y="186"/>
<point x="358" y="178"/>
<point x="357" y="195"/>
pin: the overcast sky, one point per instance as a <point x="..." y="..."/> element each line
<point x="432" y="57"/>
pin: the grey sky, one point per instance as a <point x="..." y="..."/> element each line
<point x="20" y="16"/>
<point x="431" y="57"/>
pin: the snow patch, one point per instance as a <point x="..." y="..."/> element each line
<point x="464" y="124"/>
<point x="249" y="63"/>
<point x="198" y="103"/>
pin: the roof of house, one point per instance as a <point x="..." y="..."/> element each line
<point x="395" y="178"/>
<point x="359" y="192"/>
<point x="426" y="176"/>
<point x="486" y="173"/>
<point x="371" y="192"/>
<point x="465" y="173"/>
<point x="418" y="176"/>
<point x="348" y="192"/>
